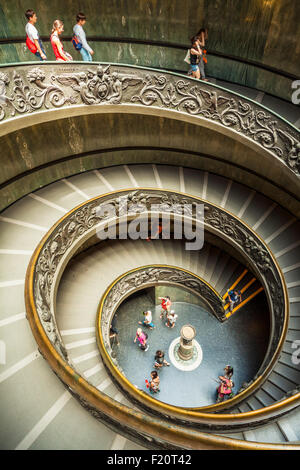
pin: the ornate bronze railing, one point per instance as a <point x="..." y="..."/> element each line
<point x="58" y="246"/>
<point x="29" y="90"/>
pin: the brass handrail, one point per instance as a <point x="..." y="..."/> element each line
<point x="125" y="414"/>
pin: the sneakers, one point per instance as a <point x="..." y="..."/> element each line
<point x="146" y="348"/>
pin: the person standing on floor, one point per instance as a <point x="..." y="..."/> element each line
<point x="33" y="41"/>
<point x="60" y="54"/>
<point x="154" y="382"/>
<point x="235" y="297"/>
<point x="86" y="51"/>
<point x="147" y="320"/>
<point x="171" y="319"/>
<point x="195" y="57"/>
<point x="165" y="305"/>
<point x="160" y="360"/>
<point x="141" y="337"/>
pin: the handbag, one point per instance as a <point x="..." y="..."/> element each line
<point x="187" y="58"/>
<point x="31" y="45"/>
<point x="76" y="43"/>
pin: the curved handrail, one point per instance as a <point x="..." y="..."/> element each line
<point x="43" y="325"/>
<point x="28" y="91"/>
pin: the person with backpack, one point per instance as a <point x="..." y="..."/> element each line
<point x="235" y="297"/>
<point x="33" y="41"/>
<point x="141" y="337"/>
<point x="79" y="39"/>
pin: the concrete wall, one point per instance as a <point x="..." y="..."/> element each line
<point x="32" y="157"/>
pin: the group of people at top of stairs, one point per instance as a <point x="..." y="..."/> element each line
<point x="142" y="338"/>
<point x="196" y="55"/>
<point x="79" y="41"/>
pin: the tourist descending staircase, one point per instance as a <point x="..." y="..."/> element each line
<point x="37" y="411"/>
<point x="248" y="286"/>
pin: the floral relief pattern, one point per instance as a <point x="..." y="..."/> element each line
<point x="86" y="217"/>
<point x="36" y="88"/>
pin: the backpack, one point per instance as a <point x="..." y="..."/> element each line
<point x="76" y="43"/>
<point x="31" y="45"/>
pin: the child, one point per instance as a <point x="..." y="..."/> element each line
<point x="58" y="49"/>
<point x="171" y="317"/>
<point x="147" y="320"/>
<point x="33" y="40"/>
<point x="160" y="360"/>
<point x="142" y="339"/>
<point x="154" y="382"/>
<point x="86" y="51"/>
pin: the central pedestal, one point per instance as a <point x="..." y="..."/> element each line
<point x="185" y="352"/>
<point x="186" y="348"/>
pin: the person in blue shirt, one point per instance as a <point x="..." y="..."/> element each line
<point x="235" y="297"/>
<point x="86" y="51"/>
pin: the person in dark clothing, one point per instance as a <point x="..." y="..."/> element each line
<point x="160" y="360"/>
<point x="235" y="297"/>
<point x="195" y="56"/>
<point x="113" y="332"/>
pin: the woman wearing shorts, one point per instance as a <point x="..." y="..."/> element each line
<point x="195" y="55"/>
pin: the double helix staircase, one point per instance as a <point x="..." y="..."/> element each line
<point x="37" y="412"/>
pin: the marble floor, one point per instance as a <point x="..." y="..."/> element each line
<point x="241" y="342"/>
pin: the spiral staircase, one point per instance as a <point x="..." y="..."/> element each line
<point x="39" y="408"/>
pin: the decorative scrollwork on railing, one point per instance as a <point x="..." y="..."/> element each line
<point x="35" y="88"/>
<point x="83" y="221"/>
<point x="149" y="276"/>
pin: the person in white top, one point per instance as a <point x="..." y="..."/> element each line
<point x="86" y="51"/>
<point x="147" y="320"/>
<point x="33" y="34"/>
<point x="171" y="317"/>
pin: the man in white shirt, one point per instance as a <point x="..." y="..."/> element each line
<point x="86" y="51"/>
<point x="33" y="34"/>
